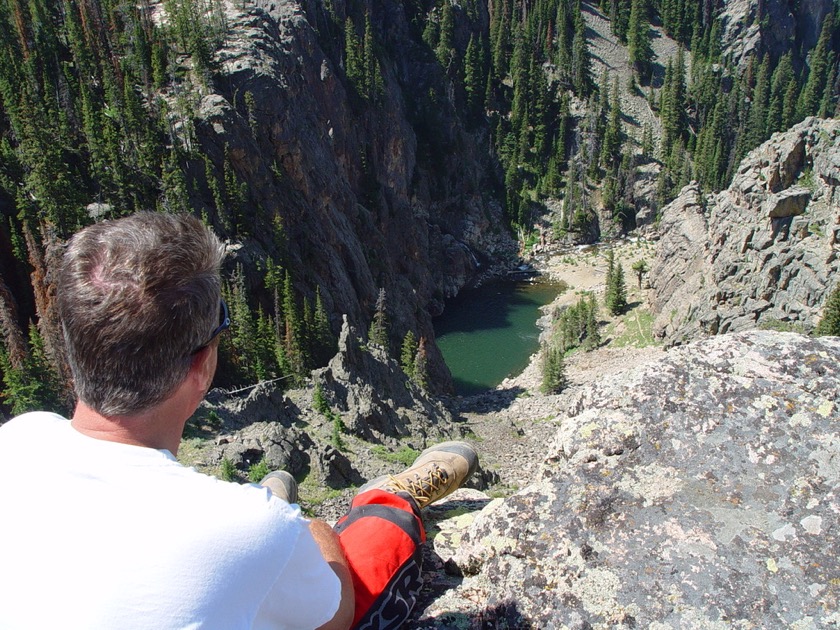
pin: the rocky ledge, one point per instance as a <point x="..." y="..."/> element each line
<point x="698" y="490"/>
<point x="763" y="252"/>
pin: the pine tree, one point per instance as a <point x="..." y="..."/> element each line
<point x="293" y="350"/>
<point x="374" y="84"/>
<point x="407" y="354"/>
<point x="619" y="18"/>
<point x="759" y="104"/>
<point x="673" y="104"/>
<point x="421" y="365"/>
<point x="445" y="50"/>
<point x="616" y="296"/>
<point x="593" y="334"/>
<point x="354" y="62"/>
<point x="553" y="370"/>
<point x="473" y="81"/>
<point x="324" y="339"/>
<point x="782" y="76"/>
<point x="639" y="47"/>
<point x="640" y="267"/>
<point x="581" y="64"/>
<point x="378" y="332"/>
<point x="611" y="147"/>
<point x="819" y="63"/>
<point x="830" y="322"/>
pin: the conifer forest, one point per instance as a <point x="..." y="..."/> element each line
<point x="99" y="105"/>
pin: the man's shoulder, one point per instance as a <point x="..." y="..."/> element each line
<point x="32" y="421"/>
<point x="31" y="429"/>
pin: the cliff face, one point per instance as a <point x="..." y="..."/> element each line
<point x="389" y="192"/>
<point x="697" y="491"/>
<point x="755" y="27"/>
<point x="762" y="252"/>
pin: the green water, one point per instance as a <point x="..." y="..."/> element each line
<point x="489" y="333"/>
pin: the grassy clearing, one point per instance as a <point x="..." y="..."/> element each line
<point x="404" y="455"/>
<point x="633" y="329"/>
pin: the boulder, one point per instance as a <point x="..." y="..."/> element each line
<point x="701" y="490"/>
<point x="788" y="203"/>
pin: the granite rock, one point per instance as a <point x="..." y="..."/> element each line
<point x="763" y="252"/>
<point x="696" y="491"/>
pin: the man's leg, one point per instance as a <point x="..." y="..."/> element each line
<point x="381" y="537"/>
<point x="382" y="533"/>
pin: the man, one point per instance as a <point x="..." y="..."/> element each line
<point x="103" y="528"/>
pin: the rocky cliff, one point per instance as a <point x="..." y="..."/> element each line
<point x="376" y="192"/>
<point x="751" y="28"/>
<point x="763" y="252"/>
<point x="696" y="491"/>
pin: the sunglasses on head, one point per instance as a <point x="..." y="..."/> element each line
<point x="224" y="324"/>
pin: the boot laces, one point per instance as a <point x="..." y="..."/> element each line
<point x="421" y="487"/>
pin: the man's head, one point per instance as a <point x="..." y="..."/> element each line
<point x="137" y="298"/>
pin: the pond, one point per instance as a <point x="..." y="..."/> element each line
<point x="489" y="333"/>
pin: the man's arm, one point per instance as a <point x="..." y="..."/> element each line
<point x="327" y="541"/>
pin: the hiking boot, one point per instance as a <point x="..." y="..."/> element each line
<point x="439" y="471"/>
<point x="282" y="485"/>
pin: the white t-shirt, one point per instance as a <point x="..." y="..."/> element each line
<point x="101" y="535"/>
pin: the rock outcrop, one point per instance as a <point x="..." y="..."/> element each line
<point x="364" y="390"/>
<point x="764" y="252"/>
<point x="751" y="28"/>
<point x="378" y="402"/>
<point x="696" y="491"/>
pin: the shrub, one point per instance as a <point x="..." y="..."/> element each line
<point x="227" y="470"/>
<point x="259" y="470"/>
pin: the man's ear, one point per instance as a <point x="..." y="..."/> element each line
<point x="203" y="366"/>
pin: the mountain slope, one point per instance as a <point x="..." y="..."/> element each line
<point x="764" y="252"/>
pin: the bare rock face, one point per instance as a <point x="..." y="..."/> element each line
<point x="697" y="491"/>
<point x="384" y="191"/>
<point x="752" y="28"/>
<point x="762" y="252"/>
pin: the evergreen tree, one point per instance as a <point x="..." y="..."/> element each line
<point x="374" y="84"/>
<point x="616" y="296"/>
<point x="354" y="59"/>
<point x="421" y="365"/>
<point x="782" y="76"/>
<point x="445" y="50"/>
<point x="639" y="47"/>
<point x="581" y="64"/>
<point x="830" y="322"/>
<point x="293" y="351"/>
<point x="323" y="336"/>
<point x="819" y="64"/>
<point x="640" y="267"/>
<point x="553" y="370"/>
<point x="593" y="334"/>
<point x="759" y="104"/>
<point x="611" y="147"/>
<point x="673" y="104"/>
<point x="474" y="81"/>
<point x="620" y="18"/>
<point x="378" y="332"/>
<point x="407" y="354"/>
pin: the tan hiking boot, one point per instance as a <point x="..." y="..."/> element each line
<point x="439" y="471"/>
<point x="282" y="485"/>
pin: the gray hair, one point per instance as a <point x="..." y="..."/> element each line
<point x="137" y="297"/>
